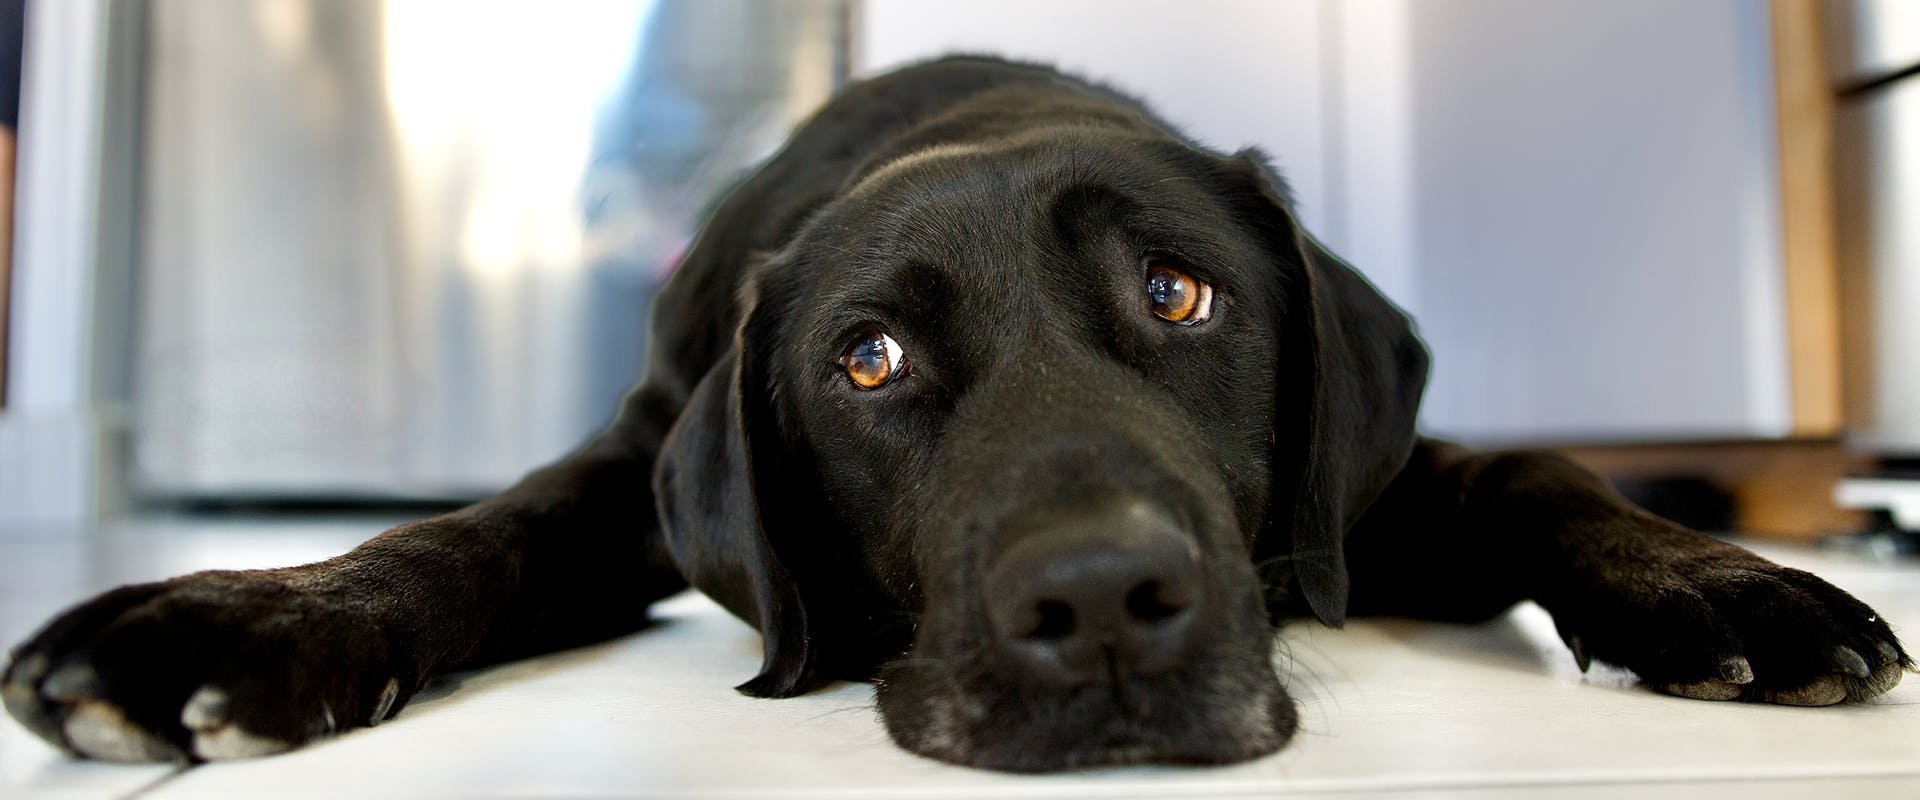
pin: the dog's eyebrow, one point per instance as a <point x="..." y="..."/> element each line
<point x="892" y="290"/>
<point x="915" y="158"/>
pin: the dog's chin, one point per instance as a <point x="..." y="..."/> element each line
<point x="1224" y="711"/>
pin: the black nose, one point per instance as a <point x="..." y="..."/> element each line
<point x="1092" y="597"/>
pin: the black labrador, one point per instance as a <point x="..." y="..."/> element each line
<point x="995" y="391"/>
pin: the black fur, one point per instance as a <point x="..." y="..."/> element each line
<point x="994" y="218"/>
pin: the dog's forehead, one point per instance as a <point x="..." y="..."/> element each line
<point x="988" y="218"/>
<point x="1018" y="172"/>
<point x="927" y="165"/>
<point x="958" y="203"/>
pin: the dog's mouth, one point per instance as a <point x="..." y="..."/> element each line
<point x="1221" y="712"/>
<point x="959" y="696"/>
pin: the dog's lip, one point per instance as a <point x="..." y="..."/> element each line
<point x="1125" y="750"/>
<point x="1125" y="742"/>
<point x="1092" y="727"/>
<point x="1125" y="733"/>
<point x="1131" y="704"/>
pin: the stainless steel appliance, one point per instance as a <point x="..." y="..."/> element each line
<point x="407" y="248"/>
<point x="1876" y="67"/>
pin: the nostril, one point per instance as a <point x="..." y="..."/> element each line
<point x="1055" y="620"/>
<point x="1097" y="595"/>
<point x="1148" y="603"/>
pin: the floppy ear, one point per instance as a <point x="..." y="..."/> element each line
<point x="712" y="485"/>
<point x="1359" y="370"/>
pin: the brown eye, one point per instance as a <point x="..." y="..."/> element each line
<point x="873" y="360"/>
<point x="1177" y="296"/>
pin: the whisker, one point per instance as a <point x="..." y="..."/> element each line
<point x="915" y="662"/>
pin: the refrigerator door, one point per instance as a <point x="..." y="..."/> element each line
<point x="1871" y="38"/>
<point x="407" y="248"/>
<point x="1878" y="157"/>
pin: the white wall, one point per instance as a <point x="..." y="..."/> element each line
<point x="1597" y="226"/>
<point x="1576" y="200"/>
<point x="1231" y="73"/>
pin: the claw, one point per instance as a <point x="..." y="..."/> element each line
<point x="1580" y="656"/>
<point x="1735" y="669"/>
<point x="71" y="682"/>
<point x="34" y="667"/>
<point x="1888" y="653"/>
<point x="209" y="714"/>
<point x="23" y="702"/>
<point x="1850" y="660"/>
<point x="20" y="695"/>
<point x="385" y="703"/>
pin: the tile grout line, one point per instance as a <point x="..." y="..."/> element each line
<point x="157" y="782"/>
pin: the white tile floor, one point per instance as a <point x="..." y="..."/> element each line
<point x="1391" y="709"/>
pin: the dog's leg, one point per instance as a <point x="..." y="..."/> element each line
<point x="1462" y="535"/>
<point x="232" y="664"/>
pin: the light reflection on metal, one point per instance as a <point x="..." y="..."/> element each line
<point x="1878" y="148"/>
<point x="407" y="247"/>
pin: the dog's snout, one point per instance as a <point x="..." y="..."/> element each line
<point x="1096" y="597"/>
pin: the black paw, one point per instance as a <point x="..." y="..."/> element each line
<point x="1719" y="623"/>
<point x="210" y="666"/>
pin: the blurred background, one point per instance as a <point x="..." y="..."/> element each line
<point x="295" y="255"/>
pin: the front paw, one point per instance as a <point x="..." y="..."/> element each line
<point x="1719" y="623"/>
<point x="210" y="666"/>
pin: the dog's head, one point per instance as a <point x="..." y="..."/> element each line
<point x="1039" y="434"/>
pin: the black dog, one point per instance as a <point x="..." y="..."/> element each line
<point x="994" y="390"/>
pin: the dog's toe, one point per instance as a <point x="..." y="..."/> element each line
<point x="1884" y="675"/>
<point x="1705" y="690"/>
<point x="1823" y="691"/>
<point x="98" y="729"/>
<point x="1738" y="627"/>
<point x="205" y="666"/>
<point x="1735" y="674"/>
<point x="21" y="695"/>
<point x="229" y="741"/>
<point x="206" y="710"/>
